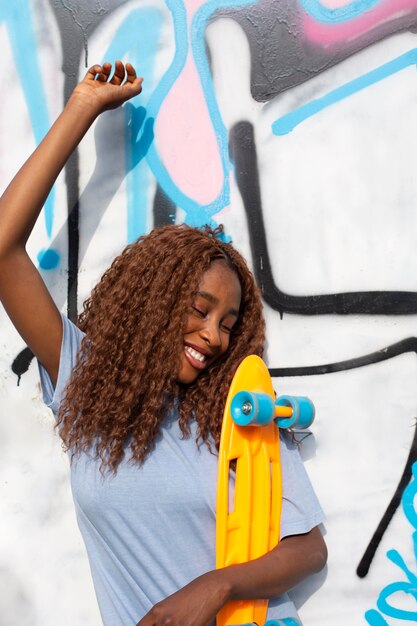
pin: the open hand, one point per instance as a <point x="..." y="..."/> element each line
<point x="101" y="92"/>
<point x="196" y="604"/>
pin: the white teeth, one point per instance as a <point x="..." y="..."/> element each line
<point x="196" y="355"/>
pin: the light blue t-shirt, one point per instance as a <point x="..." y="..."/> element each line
<point x="150" y="529"/>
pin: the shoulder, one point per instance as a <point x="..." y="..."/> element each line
<point x="72" y="338"/>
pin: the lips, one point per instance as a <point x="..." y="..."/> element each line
<point x="197" y="359"/>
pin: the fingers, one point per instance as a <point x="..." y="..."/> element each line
<point x="130" y="73"/>
<point x="103" y="76"/>
<point x="133" y="79"/>
<point x="99" y="72"/>
<point x="92" y="72"/>
<point x="119" y="73"/>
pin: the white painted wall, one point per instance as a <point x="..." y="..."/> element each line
<point x="338" y="196"/>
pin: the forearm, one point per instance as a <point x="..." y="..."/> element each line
<point x="198" y="603"/>
<point x="294" y="559"/>
<point x="22" y="291"/>
<point x="23" y="199"/>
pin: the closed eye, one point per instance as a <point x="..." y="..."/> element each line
<point x="228" y="323"/>
<point x="199" y="312"/>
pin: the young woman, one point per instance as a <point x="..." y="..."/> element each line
<point x="138" y="389"/>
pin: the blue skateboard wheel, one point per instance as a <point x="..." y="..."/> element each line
<point x="302" y="412"/>
<point x="250" y="408"/>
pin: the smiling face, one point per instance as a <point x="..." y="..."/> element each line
<point x="214" y="312"/>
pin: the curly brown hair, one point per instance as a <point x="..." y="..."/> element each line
<point x="125" y="378"/>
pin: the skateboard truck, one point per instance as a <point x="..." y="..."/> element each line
<point x="259" y="409"/>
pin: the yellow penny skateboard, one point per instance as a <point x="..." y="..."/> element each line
<point x="248" y="526"/>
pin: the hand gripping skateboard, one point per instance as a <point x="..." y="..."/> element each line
<point x="249" y="527"/>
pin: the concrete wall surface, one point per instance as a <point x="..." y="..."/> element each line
<point x="293" y="123"/>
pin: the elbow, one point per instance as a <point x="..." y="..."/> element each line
<point x="318" y="554"/>
<point x="321" y="560"/>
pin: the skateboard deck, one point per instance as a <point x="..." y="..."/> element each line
<point x="247" y="525"/>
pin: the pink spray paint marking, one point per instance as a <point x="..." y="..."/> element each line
<point x="335" y="4"/>
<point x="327" y="34"/>
<point x="184" y="133"/>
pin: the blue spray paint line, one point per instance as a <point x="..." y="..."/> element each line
<point x="138" y="175"/>
<point x="17" y="16"/>
<point x="398" y="588"/>
<point x="375" y="619"/>
<point x="196" y="213"/>
<point x="402" y="587"/>
<point x="179" y="19"/>
<point x="409" y="586"/>
<point x="198" y="27"/>
<point x="288" y="122"/>
<point x="137" y="38"/>
<point x="341" y="14"/>
<point x="410" y="493"/>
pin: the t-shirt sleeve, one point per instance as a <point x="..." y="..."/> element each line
<point x="301" y="510"/>
<point x="71" y="342"/>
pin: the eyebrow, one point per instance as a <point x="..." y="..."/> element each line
<point x="209" y="296"/>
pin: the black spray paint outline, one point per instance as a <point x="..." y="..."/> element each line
<point x="243" y="154"/>
<point x="163" y="213"/>
<point x="402" y="347"/>
<point x="23" y="360"/>
<point x="75" y="22"/>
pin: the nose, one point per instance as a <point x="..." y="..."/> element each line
<point x="210" y="332"/>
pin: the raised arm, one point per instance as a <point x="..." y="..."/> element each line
<point x="22" y="290"/>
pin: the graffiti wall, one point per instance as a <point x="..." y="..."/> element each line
<point x="293" y="123"/>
